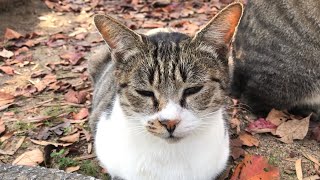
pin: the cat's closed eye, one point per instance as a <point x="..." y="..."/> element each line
<point x="145" y="93"/>
<point x="191" y="90"/>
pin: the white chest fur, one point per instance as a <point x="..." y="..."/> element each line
<point x="142" y="156"/>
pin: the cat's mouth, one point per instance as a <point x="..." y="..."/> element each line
<point x="173" y="139"/>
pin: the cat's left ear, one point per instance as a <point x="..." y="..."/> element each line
<point x="222" y="27"/>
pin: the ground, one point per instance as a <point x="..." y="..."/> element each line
<point x="48" y="91"/>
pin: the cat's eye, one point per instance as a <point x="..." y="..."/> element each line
<point x="145" y="93"/>
<point x="192" y="90"/>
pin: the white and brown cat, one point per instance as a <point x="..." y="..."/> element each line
<point x="158" y="104"/>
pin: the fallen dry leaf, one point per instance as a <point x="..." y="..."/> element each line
<point x="72" y="169"/>
<point x="71" y="138"/>
<point x="6" y="136"/>
<point x="277" y="117"/>
<point x="73" y="57"/>
<point x="13" y="150"/>
<point x="7" y="69"/>
<point x="83" y="113"/>
<point x="5" y="98"/>
<point x="235" y="123"/>
<point x="261" y="126"/>
<point x="255" y="167"/>
<point x="6" y="54"/>
<point x="44" y="143"/>
<point x="236" y="148"/>
<point x="2" y="126"/>
<point x="89" y="150"/>
<point x="293" y="129"/>
<point x="30" y="158"/>
<point x="248" y="139"/>
<point x="298" y="169"/>
<point x="314" y="177"/>
<point x="11" y="34"/>
<point x="75" y="97"/>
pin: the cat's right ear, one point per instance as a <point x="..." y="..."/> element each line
<point x="114" y="33"/>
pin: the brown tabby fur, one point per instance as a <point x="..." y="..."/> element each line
<point x="277" y="61"/>
<point x="165" y="63"/>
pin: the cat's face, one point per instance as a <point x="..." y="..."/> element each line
<point x="177" y="82"/>
<point x="169" y="84"/>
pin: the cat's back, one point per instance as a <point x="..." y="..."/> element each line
<point x="277" y="52"/>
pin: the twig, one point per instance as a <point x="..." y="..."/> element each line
<point x="38" y="105"/>
<point x="85" y="157"/>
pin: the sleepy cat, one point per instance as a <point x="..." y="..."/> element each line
<point x="277" y="62"/>
<point x="158" y="101"/>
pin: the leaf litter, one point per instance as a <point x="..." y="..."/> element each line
<point x="58" y="48"/>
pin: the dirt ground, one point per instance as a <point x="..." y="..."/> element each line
<point x="33" y="112"/>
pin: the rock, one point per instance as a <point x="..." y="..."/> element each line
<point x="9" y="172"/>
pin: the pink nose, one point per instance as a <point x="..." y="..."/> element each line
<point x="170" y="125"/>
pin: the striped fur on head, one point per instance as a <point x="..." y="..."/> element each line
<point x="148" y="71"/>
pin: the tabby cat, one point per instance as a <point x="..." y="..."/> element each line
<point x="158" y="102"/>
<point x="277" y="62"/>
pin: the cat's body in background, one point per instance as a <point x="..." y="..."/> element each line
<point x="277" y="62"/>
<point x="158" y="101"/>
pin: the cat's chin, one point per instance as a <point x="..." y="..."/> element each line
<point x="172" y="140"/>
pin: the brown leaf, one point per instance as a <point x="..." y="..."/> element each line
<point x="75" y="97"/>
<point x="237" y="152"/>
<point x="293" y="129"/>
<point x="56" y="43"/>
<point x="2" y="126"/>
<point x="30" y="158"/>
<point x="236" y="148"/>
<point x="277" y="117"/>
<point x="45" y="143"/>
<point x="72" y="169"/>
<point x="11" y="34"/>
<point x="39" y="74"/>
<point x="71" y="138"/>
<point x="73" y="57"/>
<point x="6" y="136"/>
<point x="6" y="54"/>
<point x="151" y="25"/>
<point x="7" y="69"/>
<point x="83" y="113"/>
<point x="5" y="98"/>
<point x="89" y="150"/>
<point x="58" y="36"/>
<point x="248" y="139"/>
<point x="12" y="150"/>
<point x="254" y="167"/>
<point x="40" y="86"/>
<point x="298" y="169"/>
<point x="235" y="123"/>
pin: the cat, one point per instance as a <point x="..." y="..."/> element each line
<point x="158" y="101"/>
<point x="277" y="56"/>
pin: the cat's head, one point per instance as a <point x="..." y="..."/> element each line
<point x="168" y="83"/>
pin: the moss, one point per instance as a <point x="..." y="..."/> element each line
<point x="91" y="168"/>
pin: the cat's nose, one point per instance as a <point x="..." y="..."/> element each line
<point x="170" y="125"/>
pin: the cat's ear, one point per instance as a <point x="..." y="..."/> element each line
<point x="115" y="33"/>
<point x="222" y="27"/>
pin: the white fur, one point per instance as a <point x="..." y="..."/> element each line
<point x="201" y="154"/>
